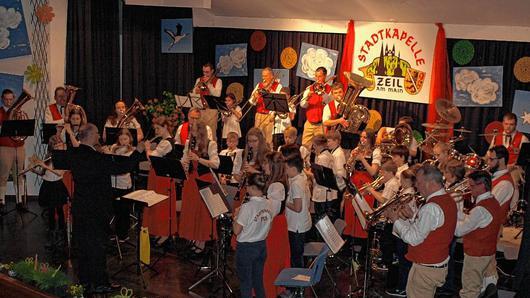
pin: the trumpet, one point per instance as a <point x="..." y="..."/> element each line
<point x="461" y="190"/>
<point x="395" y="204"/>
<point x="374" y="184"/>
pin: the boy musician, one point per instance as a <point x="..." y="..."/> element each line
<point x="330" y="114"/>
<point x="510" y="137"/>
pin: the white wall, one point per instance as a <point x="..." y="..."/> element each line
<point x="203" y="18"/>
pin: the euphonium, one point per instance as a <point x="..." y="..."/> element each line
<point x="395" y="204"/>
<point x="356" y="115"/>
<point x="129" y="114"/>
<point x="15" y="112"/>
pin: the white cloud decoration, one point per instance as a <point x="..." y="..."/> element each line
<point x="9" y="19"/>
<point x="313" y="59"/>
<point x="235" y="59"/>
<point x="482" y="91"/>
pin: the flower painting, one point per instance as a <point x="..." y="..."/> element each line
<point x="477" y="86"/>
<point x="231" y="60"/>
<point x="14" y="39"/>
<point x="313" y="57"/>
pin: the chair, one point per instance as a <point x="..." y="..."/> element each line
<point x="302" y="278"/>
<point x="312" y="249"/>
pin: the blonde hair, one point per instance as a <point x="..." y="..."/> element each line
<point x="290" y="131"/>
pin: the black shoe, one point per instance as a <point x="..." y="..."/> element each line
<point x="103" y="289"/>
<point x="490" y="292"/>
<point x="445" y="292"/>
<point x="21" y="207"/>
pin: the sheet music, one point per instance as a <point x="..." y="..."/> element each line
<point x="214" y="202"/>
<point x="361" y="206"/>
<point x="189" y="101"/>
<point x="329" y="234"/>
<point x="146" y="196"/>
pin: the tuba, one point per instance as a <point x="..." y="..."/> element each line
<point x="129" y="114"/>
<point x="401" y="135"/>
<point x="356" y="115"/>
<point x="15" y="112"/>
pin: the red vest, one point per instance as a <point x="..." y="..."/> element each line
<point x="184" y="131"/>
<point x="7" y="141"/>
<point x="435" y="248"/>
<point x="506" y="206"/>
<point x="315" y="107"/>
<point x="260" y="105"/>
<point x="333" y="114"/>
<point x="56" y="114"/>
<point x="513" y="148"/>
<point x="483" y="241"/>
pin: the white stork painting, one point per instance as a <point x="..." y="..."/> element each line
<point x="177" y="35"/>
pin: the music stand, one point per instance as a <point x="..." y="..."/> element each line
<point x="214" y="102"/>
<point x="18" y="128"/>
<point x="49" y="130"/>
<point x="172" y="169"/>
<point x="113" y="132"/>
<point x="276" y="102"/>
<point x="226" y="165"/>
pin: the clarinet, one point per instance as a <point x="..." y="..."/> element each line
<point x="250" y="156"/>
<point x="192" y="144"/>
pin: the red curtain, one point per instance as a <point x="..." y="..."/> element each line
<point x="440" y="80"/>
<point x="347" y="54"/>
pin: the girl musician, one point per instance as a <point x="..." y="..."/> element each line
<point x="122" y="184"/>
<point x="52" y="194"/>
<point x="117" y="114"/>
<point x="156" y="218"/>
<point x="200" y="155"/>
<point x="75" y="118"/>
<point x="364" y="162"/>
<point x="231" y="122"/>
<point x="251" y="249"/>
<point x="278" y="251"/>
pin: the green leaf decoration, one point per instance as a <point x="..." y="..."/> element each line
<point x="463" y="52"/>
<point x="33" y="73"/>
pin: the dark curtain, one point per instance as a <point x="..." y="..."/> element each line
<point x="147" y="72"/>
<point x="92" y="55"/>
<point x="205" y="40"/>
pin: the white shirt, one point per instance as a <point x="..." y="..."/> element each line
<point x="326" y="114"/>
<point x="505" y="140"/>
<point x="254" y="100"/>
<point x="122" y="181"/>
<point x="256" y="218"/>
<point x="504" y="190"/>
<point x="214" y="91"/>
<point x="276" y="194"/>
<point x="306" y="156"/>
<point x="179" y="129"/>
<point x="479" y="217"/>
<point x="305" y="98"/>
<point x="391" y="188"/>
<point x="48" y="118"/>
<point x="51" y="176"/>
<point x="237" y="159"/>
<point x="163" y="148"/>
<point x="339" y="159"/>
<point x="280" y="125"/>
<point x="231" y="124"/>
<point x="132" y="124"/>
<point x="213" y="157"/>
<point x="377" y="157"/>
<point x="321" y="193"/>
<point x="298" y="189"/>
<point x="430" y="217"/>
<point x="400" y="169"/>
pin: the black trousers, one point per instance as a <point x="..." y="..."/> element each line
<point x="122" y="210"/>
<point x="90" y="232"/>
<point x="296" y="244"/>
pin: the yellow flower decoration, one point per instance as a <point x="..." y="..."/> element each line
<point x="45" y="13"/>
<point x="33" y="73"/>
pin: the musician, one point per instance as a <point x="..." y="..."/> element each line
<point x="441" y="154"/>
<point x="194" y="115"/>
<point x="281" y="123"/>
<point x="330" y="116"/>
<point x="510" y="137"/>
<point x="231" y="123"/>
<point x="214" y="86"/>
<point x="74" y="120"/>
<point x="91" y="206"/>
<point x="157" y="217"/>
<point x="413" y="146"/>
<point x="313" y="100"/>
<point x="12" y="156"/>
<point x="117" y="114"/>
<point x="289" y="135"/>
<point x="400" y="155"/>
<point x="278" y="253"/>
<point x="252" y="223"/>
<point x="122" y="185"/>
<point x="504" y="190"/>
<point x="235" y="153"/>
<point x="339" y="161"/>
<point x="256" y="148"/>
<point x="201" y="155"/>
<point x="56" y="111"/>
<point x="325" y="199"/>
<point x="264" y="118"/>
<point x="479" y="230"/>
<point x="297" y="208"/>
<point x="429" y="235"/>
<point x="369" y="157"/>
